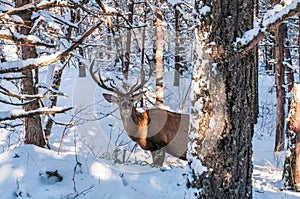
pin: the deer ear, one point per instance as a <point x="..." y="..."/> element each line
<point x="110" y="98"/>
<point x="138" y="96"/>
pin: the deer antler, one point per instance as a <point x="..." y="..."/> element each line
<point x="100" y="82"/>
<point x="138" y="85"/>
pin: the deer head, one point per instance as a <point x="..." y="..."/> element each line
<point x="126" y="100"/>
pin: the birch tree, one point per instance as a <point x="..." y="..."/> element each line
<point x="159" y="56"/>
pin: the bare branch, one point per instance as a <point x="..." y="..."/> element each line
<point x="28" y="39"/>
<point x="53" y="91"/>
<point x="252" y="37"/>
<point x="34" y="63"/>
<point x="35" y="7"/>
<point x="16" y="104"/>
<point x="15" y="114"/>
<point x="36" y="96"/>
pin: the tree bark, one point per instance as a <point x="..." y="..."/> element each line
<point x="177" y="44"/>
<point x="222" y="121"/>
<point x="33" y="126"/>
<point x="53" y="102"/>
<point x="294" y="124"/>
<point x="280" y="92"/>
<point x="159" y="58"/>
<point x="128" y="40"/>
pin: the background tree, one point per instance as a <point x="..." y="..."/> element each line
<point x="279" y="83"/>
<point x="159" y="56"/>
<point x="33" y="126"/>
<point x="38" y="36"/>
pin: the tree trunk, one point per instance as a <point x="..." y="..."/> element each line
<point x="299" y="40"/>
<point x="33" y="126"/>
<point x="159" y="58"/>
<point x="280" y="92"/>
<point x="289" y="162"/>
<point x="297" y="150"/>
<point x="128" y="40"/>
<point x="53" y="102"/>
<point x="177" y="43"/>
<point x="81" y="66"/>
<point x="222" y="122"/>
<point x="294" y="124"/>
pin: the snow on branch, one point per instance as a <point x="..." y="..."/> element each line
<point x="53" y="91"/>
<point x="34" y="63"/>
<point x="15" y="114"/>
<point x="269" y="23"/>
<point x="28" y="39"/>
<point x="35" y="6"/>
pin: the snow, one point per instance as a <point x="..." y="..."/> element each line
<point x="19" y="64"/>
<point x="24" y="176"/>
<point x="174" y="2"/>
<point x="267" y="171"/>
<point x="18" y="113"/>
<point x="109" y="9"/>
<point x="24" y="168"/>
<point x="273" y="15"/>
<point x="84" y="172"/>
<point x="204" y="10"/>
<point x="297" y="97"/>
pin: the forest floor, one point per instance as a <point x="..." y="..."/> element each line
<point x="78" y="172"/>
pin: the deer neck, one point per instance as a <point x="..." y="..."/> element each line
<point x="136" y="125"/>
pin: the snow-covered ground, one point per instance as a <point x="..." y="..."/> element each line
<point x="78" y="172"/>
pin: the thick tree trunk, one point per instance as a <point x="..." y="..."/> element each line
<point x="294" y="124"/>
<point x="33" y="127"/>
<point x="222" y="121"/>
<point x="288" y="70"/>
<point x="280" y="92"/>
<point x="297" y="150"/>
<point x="159" y="58"/>
<point x="289" y="163"/>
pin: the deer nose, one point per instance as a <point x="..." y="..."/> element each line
<point x="125" y="105"/>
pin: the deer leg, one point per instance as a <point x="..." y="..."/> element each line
<point x="158" y="157"/>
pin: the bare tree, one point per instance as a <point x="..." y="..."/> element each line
<point x="280" y="91"/>
<point x="159" y="56"/>
<point x="177" y="45"/>
<point x="33" y="125"/>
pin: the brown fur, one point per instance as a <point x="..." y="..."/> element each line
<point x="158" y="129"/>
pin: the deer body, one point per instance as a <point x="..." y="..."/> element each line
<point x="156" y="130"/>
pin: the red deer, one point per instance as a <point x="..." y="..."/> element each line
<point x="156" y="130"/>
